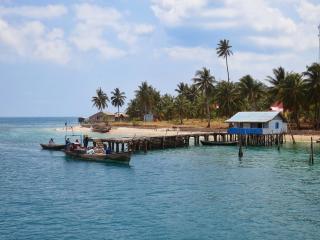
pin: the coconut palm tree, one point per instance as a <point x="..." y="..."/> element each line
<point x="293" y="93"/>
<point x="251" y="90"/>
<point x="313" y="86"/>
<point x="100" y="100"/>
<point x="276" y="81"/>
<point x="228" y="98"/>
<point x="182" y="88"/>
<point x="224" y="50"/>
<point x="181" y="104"/>
<point x="204" y="82"/>
<point x="117" y="98"/>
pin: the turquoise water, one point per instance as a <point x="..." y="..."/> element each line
<point x="191" y="193"/>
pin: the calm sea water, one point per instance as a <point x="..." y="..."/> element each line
<point x="191" y="193"/>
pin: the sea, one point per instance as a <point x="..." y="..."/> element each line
<point x="187" y="193"/>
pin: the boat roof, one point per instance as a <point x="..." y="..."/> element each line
<point x="254" y="117"/>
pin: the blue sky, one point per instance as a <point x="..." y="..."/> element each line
<point x="55" y="54"/>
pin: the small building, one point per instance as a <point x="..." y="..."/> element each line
<point x="121" y="117"/>
<point x="148" y="117"/>
<point x="258" y="123"/>
<point x="101" y="116"/>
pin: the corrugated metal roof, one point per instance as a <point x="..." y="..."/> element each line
<point x="249" y="117"/>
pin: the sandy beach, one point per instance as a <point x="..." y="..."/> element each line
<point x="140" y="132"/>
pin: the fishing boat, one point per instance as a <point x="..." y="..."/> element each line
<point x="52" y="146"/>
<point x="214" y="143"/>
<point x="81" y="154"/>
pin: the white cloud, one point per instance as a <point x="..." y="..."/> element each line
<point x="96" y="24"/>
<point x="49" y="11"/>
<point x="33" y="40"/>
<point x="198" y="54"/>
<point x="309" y="12"/>
<point x="256" y="15"/>
<point x="173" y="12"/>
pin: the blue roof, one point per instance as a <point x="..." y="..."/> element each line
<point x="248" y="117"/>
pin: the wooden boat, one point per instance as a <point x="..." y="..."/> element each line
<point x="56" y="147"/>
<point x="123" y="157"/>
<point x="214" y="143"/>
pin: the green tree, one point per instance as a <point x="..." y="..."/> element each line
<point x="182" y="105"/>
<point x="117" y="98"/>
<point x="100" y="100"/>
<point x="276" y="81"/>
<point x="224" y="50"/>
<point x="228" y="98"/>
<point x="204" y="82"/>
<point x="313" y="87"/>
<point x="252" y="91"/>
<point x="292" y="94"/>
<point x="148" y="97"/>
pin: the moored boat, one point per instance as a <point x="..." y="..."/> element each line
<point x="52" y="146"/>
<point x="214" y="143"/>
<point x="123" y="157"/>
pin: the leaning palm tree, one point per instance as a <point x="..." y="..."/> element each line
<point x="224" y="50"/>
<point x="313" y="86"/>
<point x="100" y="100"/>
<point x="204" y="82"/>
<point x="117" y="98"/>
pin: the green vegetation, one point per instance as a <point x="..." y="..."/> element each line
<point x="118" y="98"/>
<point x="205" y="97"/>
<point x="100" y="100"/>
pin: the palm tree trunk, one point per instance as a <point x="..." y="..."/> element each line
<point x="208" y="112"/>
<point x="118" y="114"/>
<point x="227" y="68"/>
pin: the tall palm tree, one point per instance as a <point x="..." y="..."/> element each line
<point x="313" y="85"/>
<point x="228" y="98"/>
<point x="292" y="94"/>
<point x="251" y="90"/>
<point x="204" y="82"/>
<point x="100" y="100"/>
<point x="148" y="97"/>
<point x="117" y="98"/>
<point x="224" y="50"/>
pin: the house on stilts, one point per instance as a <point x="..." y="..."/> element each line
<point x="258" y="128"/>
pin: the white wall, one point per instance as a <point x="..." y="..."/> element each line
<point x="272" y="127"/>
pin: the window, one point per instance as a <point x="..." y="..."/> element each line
<point x="277" y="125"/>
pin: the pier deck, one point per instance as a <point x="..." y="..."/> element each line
<point x="145" y="144"/>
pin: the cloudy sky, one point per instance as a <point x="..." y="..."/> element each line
<point x="55" y="54"/>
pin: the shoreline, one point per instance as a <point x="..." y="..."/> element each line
<point x="139" y="131"/>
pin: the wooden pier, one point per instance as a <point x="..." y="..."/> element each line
<point x="185" y="140"/>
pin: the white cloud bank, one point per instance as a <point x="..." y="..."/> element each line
<point x="95" y="22"/>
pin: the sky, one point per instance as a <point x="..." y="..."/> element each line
<point x="55" y="54"/>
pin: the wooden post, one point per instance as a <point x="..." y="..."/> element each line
<point x="311" y="160"/>
<point x="117" y="147"/>
<point x="240" y="154"/>
<point x="145" y="146"/>
<point x="122" y="147"/>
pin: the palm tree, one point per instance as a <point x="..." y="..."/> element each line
<point x="204" y="81"/>
<point x="228" y="98"/>
<point x="313" y="86"/>
<point x="224" y="50"/>
<point x="181" y="104"/>
<point x="182" y="88"/>
<point x="251" y="90"/>
<point x="292" y="94"/>
<point x="100" y="100"/>
<point x="148" y="97"/>
<point x="118" y="98"/>
<point x="279" y="76"/>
